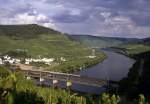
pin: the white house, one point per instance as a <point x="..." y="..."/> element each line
<point x="1" y="61"/>
<point x="91" y="56"/>
<point x="47" y="61"/>
<point x="62" y="59"/>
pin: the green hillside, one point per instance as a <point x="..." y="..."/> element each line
<point x="37" y="41"/>
<point x="128" y="46"/>
<point x="102" y="42"/>
<point x="132" y="49"/>
<point x="24" y="31"/>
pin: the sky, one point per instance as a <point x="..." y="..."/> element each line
<point x="110" y="18"/>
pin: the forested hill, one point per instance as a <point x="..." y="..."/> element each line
<point x="25" y="31"/>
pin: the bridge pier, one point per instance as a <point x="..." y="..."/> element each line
<point x="41" y="79"/>
<point x="28" y="77"/>
<point x="68" y="85"/>
<point x="55" y="83"/>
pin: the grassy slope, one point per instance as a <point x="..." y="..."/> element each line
<point x="39" y="41"/>
<point x="45" y="45"/>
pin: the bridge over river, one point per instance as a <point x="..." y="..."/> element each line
<point x="68" y="78"/>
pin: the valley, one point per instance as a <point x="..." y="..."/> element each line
<point x="35" y="43"/>
<point x="74" y="51"/>
<point x="126" y="46"/>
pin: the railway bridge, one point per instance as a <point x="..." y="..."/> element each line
<point x="68" y="78"/>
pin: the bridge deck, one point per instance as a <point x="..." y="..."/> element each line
<point x="65" y="77"/>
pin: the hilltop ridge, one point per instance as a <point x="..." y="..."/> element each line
<point x="25" y="31"/>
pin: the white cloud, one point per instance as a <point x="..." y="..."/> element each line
<point x="75" y="12"/>
<point x="49" y="25"/>
<point x="26" y="18"/>
<point x="117" y="26"/>
<point x="105" y="14"/>
<point x="41" y="17"/>
<point x="119" y="20"/>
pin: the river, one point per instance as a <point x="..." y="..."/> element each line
<point x="114" y="67"/>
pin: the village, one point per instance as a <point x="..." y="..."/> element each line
<point x="27" y="61"/>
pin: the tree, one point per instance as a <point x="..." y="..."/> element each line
<point x="107" y="99"/>
<point x="115" y="99"/>
<point x="141" y="99"/>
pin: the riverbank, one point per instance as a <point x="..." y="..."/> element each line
<point x="73" y="65"/>
<point x="65" y="65"/>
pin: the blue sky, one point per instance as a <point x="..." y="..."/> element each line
<point x="119" y="18"/>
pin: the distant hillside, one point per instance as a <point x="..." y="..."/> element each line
<point x="37" y="41"/>
<point x="128" y="46"/>
<point x="102" y="42"/>
<point x="135" y="48"/>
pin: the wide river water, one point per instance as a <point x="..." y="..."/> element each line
<point x="114" y="67"/>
